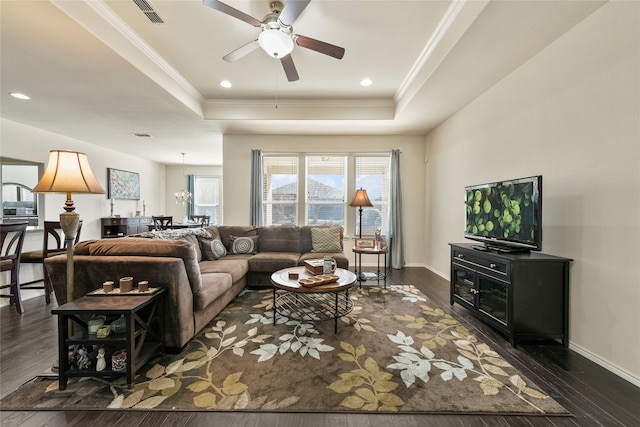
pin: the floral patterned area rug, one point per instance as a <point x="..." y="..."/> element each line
<point x="395" y="352"/>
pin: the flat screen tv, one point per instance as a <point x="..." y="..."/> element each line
<point x="506" y="215"/>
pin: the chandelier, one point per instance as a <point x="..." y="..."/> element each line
<point x="183" y="196"/>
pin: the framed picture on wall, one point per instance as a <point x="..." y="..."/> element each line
<point x="123" y="185"/>
<point x="365" y="243"/>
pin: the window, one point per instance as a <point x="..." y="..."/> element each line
<point x="314" y="189"/>
<point x="372" y="174"/>
<point x="280" y="190"/>
<point x="206" y="197"/>
<point x="325" y="190"/>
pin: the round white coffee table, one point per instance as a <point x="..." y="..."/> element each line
<point x="330" y="301"/>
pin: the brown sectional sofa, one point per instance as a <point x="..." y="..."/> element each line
<point x="199" y="282"/>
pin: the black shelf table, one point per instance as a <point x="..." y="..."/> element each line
<point x="142" y="338"/>
<point x="379" y="274"/>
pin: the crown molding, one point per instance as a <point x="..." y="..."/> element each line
<point x="296" y="109"/>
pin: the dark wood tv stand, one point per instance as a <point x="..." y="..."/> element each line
<point x="523" y="295"/>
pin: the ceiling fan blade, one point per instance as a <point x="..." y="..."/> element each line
<point x="318" y="46"/>
<point x="241" y="51"/>
<point x="289" y="68"/>
<point x="218" y="5"/>
<point x="292" y="9"/>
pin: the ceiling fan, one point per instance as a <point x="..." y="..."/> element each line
<point x="276" y="37"/>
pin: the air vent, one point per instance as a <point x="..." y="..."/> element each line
<point x="149" y="11"/>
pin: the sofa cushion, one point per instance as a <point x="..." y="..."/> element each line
<point x="191" y="235"/>
<point x="244" y="245"/>
<point x="213" y="285"/>
<point x="196" y="244"/>
<point x="235" y="265"/>
<point x="83" y="248"/>
<point x="279" y="238"/>
<point x="154" y="248"/>
<point x="270" y="262"/>
<point x="326" y="239"/>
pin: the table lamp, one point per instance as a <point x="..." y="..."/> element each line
<point x="360" y="199"/>
<point x="68" y="172"/>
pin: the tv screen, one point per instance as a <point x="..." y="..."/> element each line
<point x="506" y="215"/>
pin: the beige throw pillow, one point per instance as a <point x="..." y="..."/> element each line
<point x="326" y="239"/>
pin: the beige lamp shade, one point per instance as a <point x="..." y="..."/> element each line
<point x="68" y="172"/>
<point x="361" y="199"/>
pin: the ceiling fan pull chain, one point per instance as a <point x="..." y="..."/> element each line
<point x="276" y="74"/>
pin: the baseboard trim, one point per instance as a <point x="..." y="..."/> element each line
<point x="605" y="364"/>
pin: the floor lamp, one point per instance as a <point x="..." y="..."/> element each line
<point x="68" y="172"/>
<point x="360" y="199"/>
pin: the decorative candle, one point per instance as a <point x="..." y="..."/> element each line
<point x="143" y="286"/>
<point x="126" y="284"/>
<point x="107" y="286"/>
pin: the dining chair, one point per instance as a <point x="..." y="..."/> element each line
<point x="53" y="243"/>
<point x="203" y="220"/>
<point x="162" y="222"/>
<point x="12" y="241"/>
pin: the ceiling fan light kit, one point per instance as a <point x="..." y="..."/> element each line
<point x="276" y="37"/>
<point x="275" y="42"/>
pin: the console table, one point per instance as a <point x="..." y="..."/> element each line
<point x="142" y="338"/>
<point x="123" y="226"/>
<point x="523" y="295"/>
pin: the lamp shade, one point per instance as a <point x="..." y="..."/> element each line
<point x="361" y="198"/>
<point x="68" y="172"/>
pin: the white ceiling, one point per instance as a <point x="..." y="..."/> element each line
<point x="99" y="70"/>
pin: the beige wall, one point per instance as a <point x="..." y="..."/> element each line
<point x="571" y="114"/>
<point x="28" y="143"/>
<point x="237" y="175"/>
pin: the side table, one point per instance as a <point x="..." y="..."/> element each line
<point x="378" y="275"/>
<point x="142" y="338"/>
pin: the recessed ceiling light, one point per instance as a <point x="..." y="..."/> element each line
<point x="366" y="82"/>
<point x="19" y="95"/>
<point x="225" y="84"/>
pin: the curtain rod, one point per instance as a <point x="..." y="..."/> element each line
<point x="311" y="153"/>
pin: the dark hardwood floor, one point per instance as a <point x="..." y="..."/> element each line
<point x="594" y="396"/>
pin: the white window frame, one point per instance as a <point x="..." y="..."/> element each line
<point x="351" y="214"/>
<point x="195" y="204"/>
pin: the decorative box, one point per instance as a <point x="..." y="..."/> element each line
<point x="314" y="266"/>
<point x="103" y="331"/>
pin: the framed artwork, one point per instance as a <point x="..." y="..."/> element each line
<point x="365" y="243"/>
<point x="123" y="185"/>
